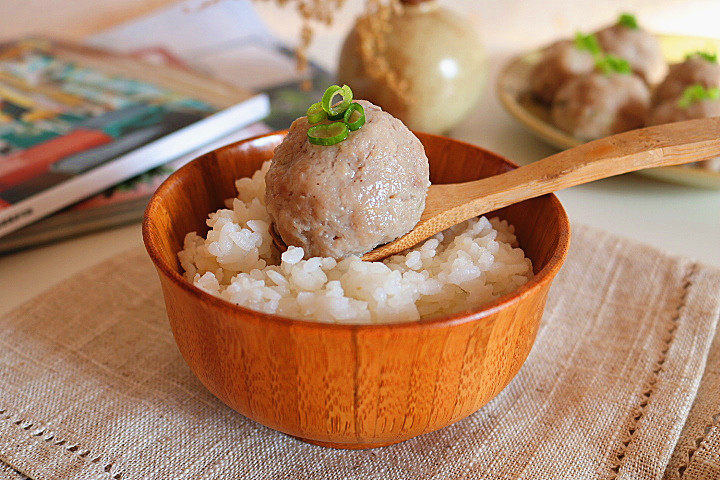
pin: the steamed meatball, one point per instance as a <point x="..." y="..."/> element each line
<point x="598" y="105"/>
<point x="352" y="196"/>
<point x="694" y="70"/>
<point x="639" y="47"/>
<point x="671" y="111"/>
<point x="559" y="62"/>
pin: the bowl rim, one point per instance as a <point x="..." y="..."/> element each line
<point x="538" y="280"/>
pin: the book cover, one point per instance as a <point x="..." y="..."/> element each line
<point x="244" y="54"/>
<point x="75" y="121"/>
<point x="120" y="204"/>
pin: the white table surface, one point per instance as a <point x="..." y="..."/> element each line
<point x="677" y="219"/>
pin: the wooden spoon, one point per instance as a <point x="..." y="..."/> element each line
<point x="659" y="146"/>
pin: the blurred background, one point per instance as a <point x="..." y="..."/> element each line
<point x="502" y="24"/>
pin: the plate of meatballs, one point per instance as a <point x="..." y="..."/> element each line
<point x="615" y="79"/>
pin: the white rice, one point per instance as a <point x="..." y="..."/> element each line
<point x="458" y="270"/>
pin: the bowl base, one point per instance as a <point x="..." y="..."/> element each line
<point x="347" y="446"/>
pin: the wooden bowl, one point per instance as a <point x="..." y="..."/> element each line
<point x="349" y="386"/>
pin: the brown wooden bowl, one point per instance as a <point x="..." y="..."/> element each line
<point x="349" y="386"/>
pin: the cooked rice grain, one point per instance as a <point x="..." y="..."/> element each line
<point x="460" y="269"/>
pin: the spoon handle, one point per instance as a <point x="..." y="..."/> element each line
<point x="658" y="146"/>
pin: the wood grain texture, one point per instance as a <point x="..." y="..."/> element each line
<point x="349" y="386"/>
<point x="658" y="146"/>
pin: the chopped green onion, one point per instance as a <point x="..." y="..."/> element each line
<point x="328" y="134"/>
<point x="338" y="108"/>
<point x="315" y="113"/>
<point x="588" y="42"/>
<point x="339" y="116"/>
<point x="710" y="57"/>
<point x="613" y="64"/>
<point x="354" y="116"/>
<point x="628" y="20"/>
<point x="698" y="93"/>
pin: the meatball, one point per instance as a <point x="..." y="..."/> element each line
<point x="597" y="105"/>
<point x="671" y="111"/>
<point x="694" y="70"/>
<point x="639" y="47"/>
<point x="559" y="62"/>
<point x="348" y="198"/>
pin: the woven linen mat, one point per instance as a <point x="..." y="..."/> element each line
<point x="9" y="473"/>
<point x="697" y="455"/>
<point x="93" y="387"/>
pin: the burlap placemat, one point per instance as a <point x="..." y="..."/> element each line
<point x="697" y="455"/>
<point x="93" y="387"/>
<point x="9" y="473"/>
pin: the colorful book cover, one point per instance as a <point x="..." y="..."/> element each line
<point x="244" y="54"/>
<point x="118" y="205"/>
<point x="60" y="119"/>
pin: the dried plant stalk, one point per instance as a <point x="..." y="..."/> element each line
<point x="373" y="26"/>
<point x="312" y="12"/>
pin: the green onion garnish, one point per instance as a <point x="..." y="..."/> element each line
<point x="710" y="57"/>
<point x="605" y="63"/>
<point x="351" y="116"/>
<point x="329" y="134"/>
<point x="613" y="64"/>
<point x="338" y="108"/>
<point x="628" y="20"/>
<point x="588" y="42"/>
<point x="339" y="116"/>
<point x="354" y="116"/>
<point x="698" y="93"/>
<point x="315" y="113"/>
